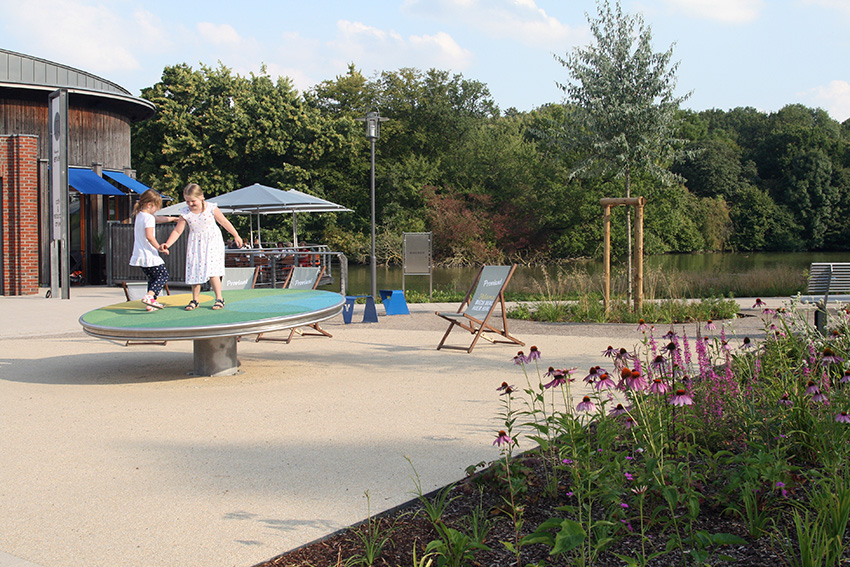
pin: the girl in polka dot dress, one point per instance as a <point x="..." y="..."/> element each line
<point x="205" y="251"/>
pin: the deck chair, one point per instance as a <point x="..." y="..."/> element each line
<point x="481" y="300"/>
<point x="135" y="291"/>
<point x="301" y="278"/>
<point x="239" y="278"/>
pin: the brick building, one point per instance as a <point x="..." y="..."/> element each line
<point x="102" y="184"/>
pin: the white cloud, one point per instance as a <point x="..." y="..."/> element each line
<point x="219" y="34"/>
<point x="380" y="49"/>
<point x="519" y="20"/>
<point x="90" y="37"/>
<point x="728" y="11"/>
<point x="834" y="98"/>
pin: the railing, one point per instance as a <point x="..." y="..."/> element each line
<point x="275" y="263"/>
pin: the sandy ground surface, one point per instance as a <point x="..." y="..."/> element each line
<point x="114" y="455"/>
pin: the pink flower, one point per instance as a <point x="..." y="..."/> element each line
<point x="759" y="303"/>
<point x="681" y="398"/>
<point x="502" y="438"/>
<point x="585" y="405"/>
<point x="845" y="378"/>
<point x="533" y="354"/>
<point x="609" y="352"/>
<point x="785" y="401"/>
<point x="635" y="381"/>
<point x="642" y="326"/>
<point x="519" y="358"/>
<point x="618" y="410"/>
<point x="830" y="357"/>
<point x="505" y="389"/>
<point x="605" y="382"/>
<point x="710" y="326"/>
<point x="842" y="417"/>
<point x="658" y="387"/>
<point x="629" y="423"/>
<point x="812" y="388"/>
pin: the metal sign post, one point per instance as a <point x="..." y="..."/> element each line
<point x="416" y="257"/>
<point x="60" y="255"/>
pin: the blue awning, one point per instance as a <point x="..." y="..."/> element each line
<point x="88" y="182"/>
<point x="126" y="181"/>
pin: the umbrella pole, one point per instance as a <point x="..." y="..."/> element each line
<point x="295" y="230"/>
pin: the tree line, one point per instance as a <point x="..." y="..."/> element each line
<point x="492" y="185"/>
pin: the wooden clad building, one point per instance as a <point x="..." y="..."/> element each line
<point x="100" y="114"/>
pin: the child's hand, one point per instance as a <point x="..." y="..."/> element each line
<point x="163" y="248"/>
<point x="165" y="251"/>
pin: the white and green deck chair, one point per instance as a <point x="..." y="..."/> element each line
<point x="301" y="278"/>
<point x="487" y="292"/>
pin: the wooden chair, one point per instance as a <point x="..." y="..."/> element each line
<point x="135" y="291"/>
<point x="487" y="291"/>
<point x="301" y="278"/>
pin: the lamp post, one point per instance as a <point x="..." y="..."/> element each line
<point x="373" y="132"/>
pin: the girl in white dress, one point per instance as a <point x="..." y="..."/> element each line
<point x="205" y="251"/>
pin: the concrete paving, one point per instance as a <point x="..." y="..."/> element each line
<point x="114" y="455"/>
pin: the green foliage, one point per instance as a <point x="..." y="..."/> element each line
<point x="514" y="187"/>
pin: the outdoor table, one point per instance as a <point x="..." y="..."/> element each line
<point x="214" y="332"/>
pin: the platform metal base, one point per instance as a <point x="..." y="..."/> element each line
<point x="216" y="357"/>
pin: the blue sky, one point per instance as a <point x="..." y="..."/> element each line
<point x="759" y="53"/>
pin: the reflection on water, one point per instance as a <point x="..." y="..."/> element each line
<point x="527" y="278"/>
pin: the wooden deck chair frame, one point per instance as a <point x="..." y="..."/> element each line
<point x="477" y="308"/>
<point x="134" y="291"/>
<point x="292" y="282"/>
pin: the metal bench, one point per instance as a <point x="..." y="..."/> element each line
<point x="828" y="281"/>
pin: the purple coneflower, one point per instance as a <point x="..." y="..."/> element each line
<point x="812" y="388"/>
<point x="519" y="358"/>
<point x="657" y="363"/>
<point x="609" y="352"/>
<point x="830" y="357"/>
<point x="671" y="347"/>
<point x="710" y="326"/>
<point x="845" y="378"/>
<point x="635" y="381"/>
<point x="585" y="405"/>
<point x="505" y="388"/>
<point x="759" y="303"/>
<point x="533" y="354"/>
<point x="642" y="326"/>
<point x="502" y="438"/>
<point x="594" y="373"/>
<point x="681" y="398"/>
<point x="623" y="355"/>
<point x="785" y="401"/>
<point x="746" y="343"/>
<point x="669" y="335"/>
<point x="820" y="398"/>
<point x="605" y="382"/>
<point x="618" y="410"/>
<point x="658" y="387"/>
<point x="628" y="423"/>
<point x="842" y="417"/>
<point x="559" y="378"/>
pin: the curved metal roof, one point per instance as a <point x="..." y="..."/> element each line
<point x="19" y="71"/>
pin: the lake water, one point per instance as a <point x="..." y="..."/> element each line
<point x="525" y="278"/>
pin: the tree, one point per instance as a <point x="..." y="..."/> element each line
<point x="625" y="108"/>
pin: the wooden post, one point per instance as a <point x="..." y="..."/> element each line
<point x="606" y="256"/>
<point x="638" y="279"/>
<point x="637" y="203"/>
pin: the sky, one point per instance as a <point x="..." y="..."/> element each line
<point x="763" y="54"/>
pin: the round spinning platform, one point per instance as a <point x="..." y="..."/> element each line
<point x="214" y="332"/>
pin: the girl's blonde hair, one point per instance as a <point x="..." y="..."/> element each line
<point x="148" y="197"/>
<point x="194" y="191"/>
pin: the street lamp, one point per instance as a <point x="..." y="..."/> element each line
<point x="373" y="132"/>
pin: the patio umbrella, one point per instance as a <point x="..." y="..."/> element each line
<point x="260" y="199"/>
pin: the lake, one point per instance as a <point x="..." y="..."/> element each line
<point x="718" y="271"/>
